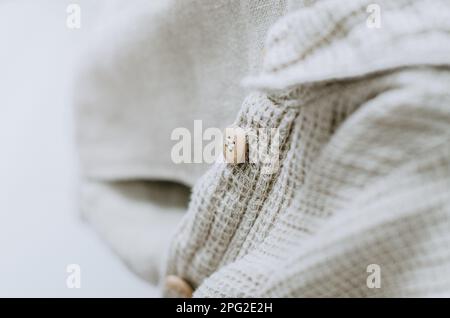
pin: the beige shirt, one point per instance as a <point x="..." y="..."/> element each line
<point x="360" y="206"/>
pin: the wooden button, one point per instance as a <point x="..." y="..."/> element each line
<point x="235" y="145"/>
<point x="179" y="286"/>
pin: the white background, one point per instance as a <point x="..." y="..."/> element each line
<point x="40" y="229"/>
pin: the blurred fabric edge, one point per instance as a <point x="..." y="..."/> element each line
<point x="149" y="69"/>
<point x="40" y="228"/>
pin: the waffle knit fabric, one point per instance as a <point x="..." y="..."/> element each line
<point x="151" y="67"/>
<point x="364" y="119"/>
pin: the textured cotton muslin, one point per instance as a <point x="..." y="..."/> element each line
<point x="364" y="177"/>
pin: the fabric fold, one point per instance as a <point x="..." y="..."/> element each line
<point x="331" y="41"/>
